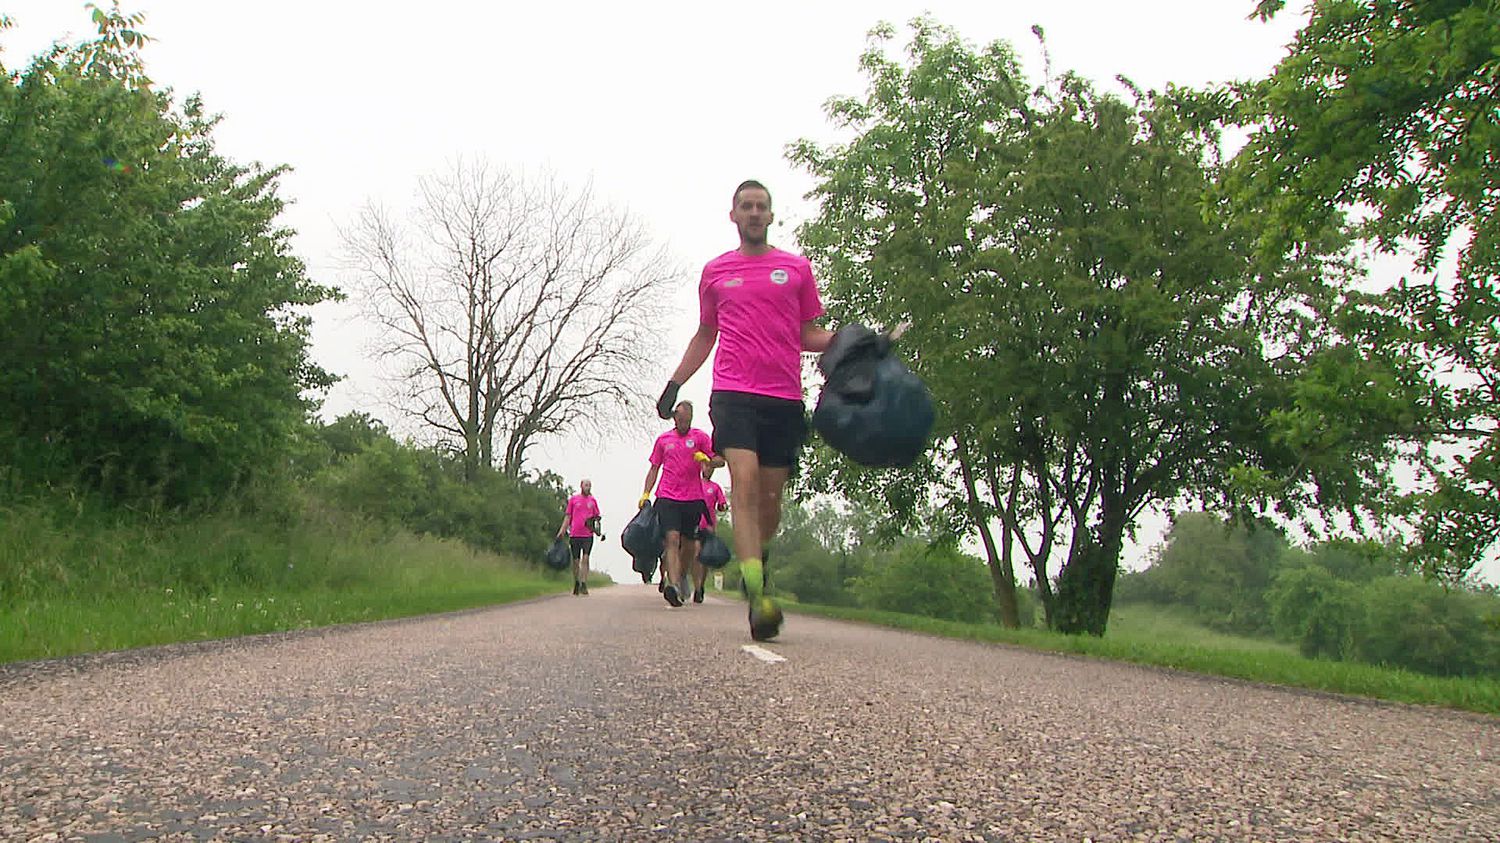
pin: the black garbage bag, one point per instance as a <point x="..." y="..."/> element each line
<point x="642" y="538"/>
<point x="873" y="409"/>
<point x="645" y="567"/>
<point x="714" y="553"/>
<point x="558" y="555"/>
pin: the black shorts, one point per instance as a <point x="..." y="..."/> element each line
<point x="681" y="516"/>
<point x="581" y="545"/>
<point x="774" y="428"/>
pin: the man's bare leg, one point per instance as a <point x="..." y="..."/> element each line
<point x="772" y="485"/>
<point x="672" y="565"/>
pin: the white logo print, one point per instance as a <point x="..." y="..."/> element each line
<point x="778" y="276"/>
<point x="734" y="282"/>
<point x="689" y="443"/>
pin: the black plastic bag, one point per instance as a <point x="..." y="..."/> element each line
<point x="873" y="409"/>
<point x="642" y="538"/>
<point x="558" y="556"/>
<point x="714" y="553"/>
<point x="645" y="567"/>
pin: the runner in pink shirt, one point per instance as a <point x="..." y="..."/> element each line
<point x="758" y="303"/>
<point x="714" y="503"/>
<point x="676" y="458"/>
<point x="581" y="521"/>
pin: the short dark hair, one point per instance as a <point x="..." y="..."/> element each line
<point x="746" y="185"/>
<point x="681" y="403"/>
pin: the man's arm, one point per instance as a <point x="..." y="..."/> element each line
<point x="815" y="338"/>
<point x="650" y="482"/>
<point x="697" y="352"/>
<point x="567" y="510"/>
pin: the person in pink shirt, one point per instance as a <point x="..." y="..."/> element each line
<point x="758" y="303"/>
<point x="581" y="522"/>
<point x="714" y="503"/>
<point x="675" y="460"/>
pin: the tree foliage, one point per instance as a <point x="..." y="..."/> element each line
<point x="936" y="581"/>
<point x="150" y="338"/>
<point x="1387" y="109"/>
<point x="1219" y="569"/>
<point x="1089" y="315"/>
<point x="372" y="476"/>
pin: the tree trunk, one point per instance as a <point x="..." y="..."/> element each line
<point x="1002" y="574"/>
<point x="1086" y="587"/>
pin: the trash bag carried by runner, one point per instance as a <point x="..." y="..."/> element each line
<point x="645" y="567"/>
<point x="642" y="538"/>
<point x="873" y="409"/>
<point x="714" y="553"/>
<point x="558" y="556"/>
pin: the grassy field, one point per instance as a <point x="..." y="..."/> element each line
<point x="1147" y="635"/>
<point x="74" y="583"/>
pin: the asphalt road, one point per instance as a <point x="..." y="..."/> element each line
<point x="614" y="717"/>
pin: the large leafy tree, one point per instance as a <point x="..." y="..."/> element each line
<point x="1388" y="109"/>
<point x="1096" y="329"/>
<point x="150" y="342"/>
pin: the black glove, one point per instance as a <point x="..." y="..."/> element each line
<point x="668" y="400"/>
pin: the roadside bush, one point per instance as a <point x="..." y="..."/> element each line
<point x="1315" y="610"/>
<point x="1420" y="625"/>
<point x="937" y="582"/>
<point x="425" y="491"/>
<point x="1219" y="570"/>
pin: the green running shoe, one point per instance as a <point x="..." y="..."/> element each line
<point x="765" y="619"/>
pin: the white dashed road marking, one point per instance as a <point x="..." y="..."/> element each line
<point x="762" y="653"/>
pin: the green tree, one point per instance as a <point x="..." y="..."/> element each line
<point x="1389" y="107"/>
<point x="150" y="337"/>
<point x="353" y="432"/>
<point x="1408" y="622"/>
<point x="430" y="491"/>
<point x="936" y="581"/>
<point x="816" y="553"/>
<point x="1090" y="318"/>
<point x="1356" y="561"/>
<point x="1221" y="570"/>
<point x="1315" y="610"/>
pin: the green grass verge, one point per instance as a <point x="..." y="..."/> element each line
<point x="74" y="583"/>
<point x="49" y="628"/>
<point x="1143" y="636"/>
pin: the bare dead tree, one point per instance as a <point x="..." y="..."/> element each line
<point x="513" y="307"/>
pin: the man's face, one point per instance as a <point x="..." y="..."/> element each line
<point x="586" y="487"/>
<point x="752" y="215"/>
<point x="683" y="416"/>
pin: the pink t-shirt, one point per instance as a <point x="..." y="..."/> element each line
<point x="759" y="304"/>
<point x="681" y="476"/>
<point x="713" y="498"/>
<point x="580" y="509"/>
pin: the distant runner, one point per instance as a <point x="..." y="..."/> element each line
<point x="675" y="459"/>
<point x="714" y="503"/>
<point x="581" y="522"/>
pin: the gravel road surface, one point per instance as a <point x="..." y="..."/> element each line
<point x="615" y="717"/>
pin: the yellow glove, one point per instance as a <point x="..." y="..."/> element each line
<point x="702" y="457"/>
<point x="645" y="499"/>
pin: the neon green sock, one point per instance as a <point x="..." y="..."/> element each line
<point x="754" y="578"/>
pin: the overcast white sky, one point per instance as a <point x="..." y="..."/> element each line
<point x="664" y="106"/>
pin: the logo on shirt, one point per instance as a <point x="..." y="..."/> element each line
<point x="779" y="276"/>
<point x="734" y="282"/>
<point x="689" y="443"/>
